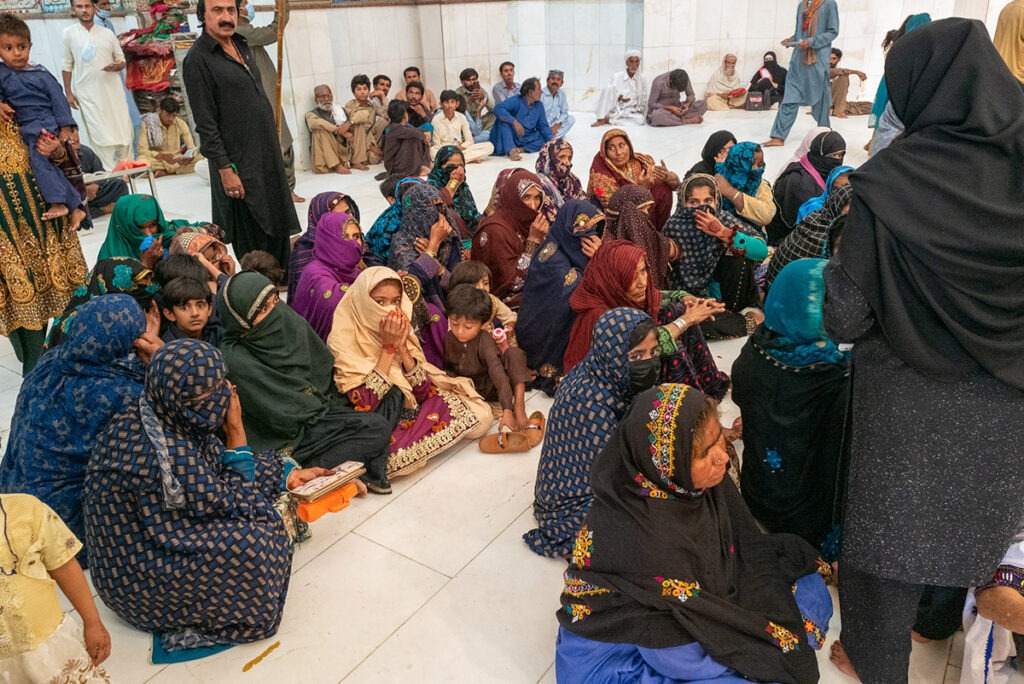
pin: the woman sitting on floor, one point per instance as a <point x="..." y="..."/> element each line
<point x="809" y="238"/>
<point x="302" y="251"/>
<point x="595" y="393"/>
<point x="792" y="385"/>
<point x="616" y="165"/>
<point x="545" y="316"/>
<point x="617" y="276"/>
<point x="183" y="536"/>
<point x="283" y="374"/>
<point x="629" y="218"/>
<point x="804" y="179"/>
<point x="135" y="218"/>
<point x="670" y="579"/>
<point x="508" y="238"/>
<point x="716" y="149"/>
<point x="379" y="365"/>
<point x="770" y="79"/>
<point x="707" y="234"/>
<point x="448" y="175"/>
<point x="69" y="397"/>
<point x="426" y="246"/>
<point x="337" y="262"/>
<point x="378" y="238"/>
<point x="839" y="177"/>
<point x="554" y="169"/>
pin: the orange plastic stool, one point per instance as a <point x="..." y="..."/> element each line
<point x="310" y="511"/>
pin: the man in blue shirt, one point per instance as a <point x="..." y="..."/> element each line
<point x="507" y="87"/>
<point x="556" y="105"/>
<point x="521" y="124"/>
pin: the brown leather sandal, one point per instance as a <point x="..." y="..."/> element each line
<point x="535" y="430"/>
<point x="505" y="443"/>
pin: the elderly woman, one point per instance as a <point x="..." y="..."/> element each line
<point x="617" y="276"/>
<point x="68" y="398"/>
<point x="804" y="179"/>
<point x="545" y="316"/>
<point x="616" y="164"/>
<point x="670" y="578"/>
<point x="596" y="392"/>
<point x="379" y="364"/>
<point x="449" y="176"/>
<point x="109" y="276"/>
<point x="508" y="238"/>
<point x="302" y="251"/>
<point x="554" y="169"/>
<point x="929" y="292"/>
<point x="792" y="385"/>
<point x="184" y="539"/>
<point x="282" y="371"/>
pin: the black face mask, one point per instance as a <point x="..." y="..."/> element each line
<point x="643" y="374"/>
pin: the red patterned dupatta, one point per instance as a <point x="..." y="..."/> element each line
<point x="606" y="177"/>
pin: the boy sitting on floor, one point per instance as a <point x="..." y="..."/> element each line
<point x="30" y="95"/>
<point x="406" y="148"/>
<point x="473" y="354"/>
<point x="186" y="304"/>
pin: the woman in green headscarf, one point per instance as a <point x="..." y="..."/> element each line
<point x="135" y="217"/>
<point x="289" y="401"/>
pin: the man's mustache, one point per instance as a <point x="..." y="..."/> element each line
<point x="226" y="24"/>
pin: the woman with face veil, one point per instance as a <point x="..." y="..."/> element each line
<point x="927" y="284"/>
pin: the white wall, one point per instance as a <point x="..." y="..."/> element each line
<point x="584" y="38"/>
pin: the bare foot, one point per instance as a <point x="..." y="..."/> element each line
<point x="515" y="154"/>
<point x="77" y="216"/>
<point x="342" y="169"/>
<point x="296" y="198"/>
<point x="600" y="122"/>
<point x="842" y="661"/>
<point x="107" y="208"/>
<point x="376" y="151"/>
<point x="735" y="432"/>
<point x="841" y="116"/>
<point x="920" y="639"/>
<point x="55" y="211"/>
<point x="361" y="167"/>
<point x="698" y="120"/>
<point x="774" y="142"/>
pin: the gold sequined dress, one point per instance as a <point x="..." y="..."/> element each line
<point x="41" y="262"/>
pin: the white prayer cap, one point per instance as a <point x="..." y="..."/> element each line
<point x="632" y="53"/>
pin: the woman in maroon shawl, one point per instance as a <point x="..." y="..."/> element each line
<point x="629" y="219"/>
<point x="616" y="165"/>
<point x="337" y="262"/>
<point x="508" y="238"/>
<point x="617" y="276"/>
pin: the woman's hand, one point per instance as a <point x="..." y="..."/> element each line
<point x="439" y="232"/>
<point x="210" y="268"/>
<point x="234" y="431"/>
<point x="97" y="641"/>
<point x="146" y="345"/>
<point x="538" y="229"/>
<point x="152" y="255"/>
<point x="707" y="223"/>
<point x="47" y="145"/>
<point x="7" y="112"/>
<point x="421" y="245"/>
<point x="300" y="476"/>
<point x="589" y="245"/>
<point x="457" y="177"/>
<point x="392" y="329"/>
<point x="701" y="310"/>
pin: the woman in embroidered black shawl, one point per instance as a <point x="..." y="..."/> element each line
<point x="670" y="577"/>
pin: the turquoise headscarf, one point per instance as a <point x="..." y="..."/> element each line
<point x="738" y="169"/>
<point x="882" y="96"/>
<point x="793" y="315"/>
<point x="816" y="203"/>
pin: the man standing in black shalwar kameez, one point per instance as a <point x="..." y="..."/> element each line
<point x="238" y="134"/>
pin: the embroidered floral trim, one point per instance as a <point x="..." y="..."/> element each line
<point x="782" y="637"/>
<point x="578" y="611"/>
<point x="578" y="588"/>
<point x="416" y="376"/>
<point x="583" y="548"/>
<point x="462" y="420"/>
<point x="825" y="570"/>
<point x="571" y="277"/>
<point x="682" y="590"/>
<point x="378" y="383"/>
<point x="814" y="633"/>
<point x="662" y="428"/>
<point x="545" y="254"/>
<point x="649" y="489"/>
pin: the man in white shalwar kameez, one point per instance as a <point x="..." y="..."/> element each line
<point x="625" y="100"/>
<point x="92" y="60"/>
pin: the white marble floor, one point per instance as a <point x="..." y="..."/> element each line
<point x="434" y="583"/>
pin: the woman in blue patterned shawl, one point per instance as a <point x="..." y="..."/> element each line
<point x="792" y="385"/>
<point x="422" y="207"/>
<point x="588" y="406"/>
<point x="545" y="317"/>
<point x="67" y="399"/>
<point x="183" y="536"/>
<point x="378" y="238"/>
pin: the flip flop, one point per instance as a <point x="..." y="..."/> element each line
<point x="505" y="443"/>
<point x="535" y="430"/>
